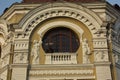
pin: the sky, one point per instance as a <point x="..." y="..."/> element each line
<point x="6" y="3"/>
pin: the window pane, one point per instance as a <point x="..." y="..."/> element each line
<point x="60" y="40"/>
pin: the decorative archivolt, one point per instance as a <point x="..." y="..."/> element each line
<point x="61" y="72"/>
<point x="51" y="25"/>
<point x="38" y="15"/>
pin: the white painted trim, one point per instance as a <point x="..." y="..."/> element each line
<point x="15" y="12"/>
<point x="70" y="25"/>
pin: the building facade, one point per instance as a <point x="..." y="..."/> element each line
<point x="60" y="40"/>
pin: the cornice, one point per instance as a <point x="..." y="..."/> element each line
<point x="79" y="1"/>
<point x="18" y="66"/>
<point x="49" y="66"/>
<point x="102" y="64"/>
<point x="105" y="6"/>
<point x="97" y="5"/>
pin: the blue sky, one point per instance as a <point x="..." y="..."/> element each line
<point x="6" y="3"/>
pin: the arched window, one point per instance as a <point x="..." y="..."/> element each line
<point x="60" y="39"/>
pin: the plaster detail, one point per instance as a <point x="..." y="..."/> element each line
<point x="3" y="76"/>
<point x="19" y="45"/>
<point x="62" y="78"/>
<point x="86" y="51"/>
<point x="101" y="55"/>
<point x="6" y="50"/>
<point x="53" y="12"/>
<point x="5" y="55"/>
<point x="5" y="61"/>
<point x="61" y="58"/>
<point x="36" y="52"/>
<point x="3" y="27"/>
<point x="100" y="43"/>
<point x="20" y="58"/>
<point x="60" y="23"/>
<point x="60" y="72"/>
<point x="103" y="75"/>
<point x="2" y="41"/>
<point x="56" y="72"/>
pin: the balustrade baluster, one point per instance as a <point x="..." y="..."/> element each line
<point x="54" y="57"/>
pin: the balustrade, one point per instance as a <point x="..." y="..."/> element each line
<point x="61" y="58"/>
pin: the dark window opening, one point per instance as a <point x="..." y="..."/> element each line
<point x="60" y="40"/>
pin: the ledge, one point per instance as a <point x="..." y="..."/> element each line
<point x="61" y="66"/>
<point x="102" y="64"/>
<point x="19" y="66"/>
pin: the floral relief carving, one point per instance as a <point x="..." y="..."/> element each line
<point x="101" y="56"/>
<point x="61" y="72"/>
<point x="20" y="58"/>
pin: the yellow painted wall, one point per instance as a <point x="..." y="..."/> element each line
<point x="16" y="18"/>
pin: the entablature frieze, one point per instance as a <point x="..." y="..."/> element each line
<point x="20" y="57"/>
<point x="99" y="43"/>
<point x="21" y="45"/>
<point x="62" y="78"/>
<point x="73" y="71"/>
<point x="101" y="55"/>
<point x="60" y="73"/>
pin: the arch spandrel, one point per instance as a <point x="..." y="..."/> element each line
<point x="38" y="15"/>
